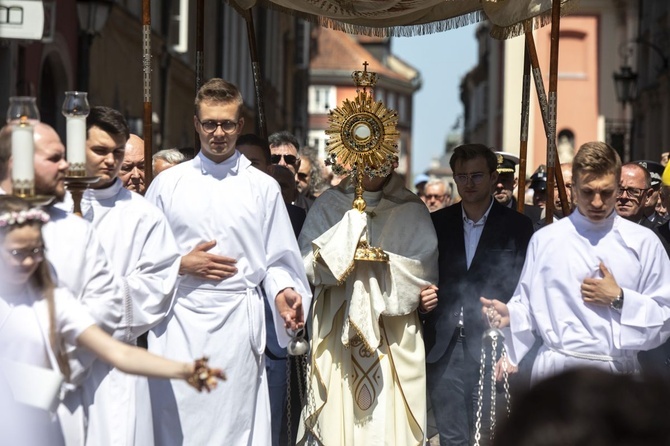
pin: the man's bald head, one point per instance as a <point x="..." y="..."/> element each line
<point x="132" y="169"/>
<point x="50" y="164"/>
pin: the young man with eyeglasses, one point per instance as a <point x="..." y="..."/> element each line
<point x="594" y="287"/>
<point x="481" y="246"/>
<point x="235" y="236"/>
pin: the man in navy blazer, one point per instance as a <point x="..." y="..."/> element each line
<point x="482" y="246"/>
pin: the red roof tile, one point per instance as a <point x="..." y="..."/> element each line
<point x="337" y="50"/>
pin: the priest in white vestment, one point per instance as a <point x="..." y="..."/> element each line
<point x="595" y="287"/>
<point x="367" y="384"/>
<point x="144" y="255"/>
<point x="234" y="234"/>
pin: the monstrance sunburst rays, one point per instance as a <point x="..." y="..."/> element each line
<point x="363" y="141"/>
<point x="363" y="135"/>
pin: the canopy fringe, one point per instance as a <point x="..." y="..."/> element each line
<point x="537" y="22"/>
<point x="386" y="31"/>
<point x="404" y="30"/>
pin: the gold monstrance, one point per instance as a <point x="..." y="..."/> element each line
<point x="363" y="141"/>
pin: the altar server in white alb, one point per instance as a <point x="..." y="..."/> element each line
<point x="234" y="233"/>
<point x="144" y="255"/>
<point x="595" y="287"/>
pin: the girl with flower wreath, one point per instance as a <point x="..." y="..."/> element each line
<point x="37" y="321"/>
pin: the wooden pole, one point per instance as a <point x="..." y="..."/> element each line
<point x="523" y="146"/>
<point x="147" y="116"/>
<point x="552" y="108"/>
<point x="199" y="54"/>
<point x="544" y="111"/>
<point x="256" y="68"/>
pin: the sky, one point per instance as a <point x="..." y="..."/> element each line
<point x="442" y="59"/>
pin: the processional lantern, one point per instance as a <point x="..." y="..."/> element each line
<point x="76" y="109"/>
<point x="363" y="142"/>
<point x="22" y="117"/>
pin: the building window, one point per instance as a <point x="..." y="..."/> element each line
<point x="566" y="146"/>
<point x="318" y="139"/>
<point x="321" y="98"/>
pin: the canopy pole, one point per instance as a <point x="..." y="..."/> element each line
<point x="546" y="120"/>
<point x="523" y="146"/>
<point x="256" y="68"/>
<point x="146" y="67"/>
<point x="552" y="109"/>
<point x="199" y="54"/>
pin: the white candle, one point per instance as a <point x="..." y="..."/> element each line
<point x="76" y="140"/>
<point x="23" y="152"/>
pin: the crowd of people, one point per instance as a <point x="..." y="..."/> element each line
<point x="228" y="257"/>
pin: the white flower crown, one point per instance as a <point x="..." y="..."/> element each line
<point x="21" y="217"/>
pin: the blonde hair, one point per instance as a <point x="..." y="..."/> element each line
<point x="597" y="158"/>
<point x="218" y="91"/>
<point x="41" y="278"/>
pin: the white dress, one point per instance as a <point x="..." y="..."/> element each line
<point x="24" y="338"/>
<point x="242" y="209"/>
<point x="548" y="299"/>
<point x="144" y="256"/>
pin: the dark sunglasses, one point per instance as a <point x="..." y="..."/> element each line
<point x="288" y="159"/>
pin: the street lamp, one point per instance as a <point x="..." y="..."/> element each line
<point x="625" y="85"/>
<point x="92" y="15"/>
<point x="622" y="135"/>
<point x="625" y="80"/>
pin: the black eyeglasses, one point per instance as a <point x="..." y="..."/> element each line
<point x="463" y="178"/>
<point x="302" y="176"/>
<point x="433" y="197"/>
<point x="20" y="255"/>
<point x="631" y="192"/>
<point x="288" y="159"/>
<point x="210" y="126"/>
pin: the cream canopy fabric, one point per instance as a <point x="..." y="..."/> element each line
<point x="410" y="17"/>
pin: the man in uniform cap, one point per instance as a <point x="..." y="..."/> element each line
<point x="655" y="172"/>
<point x="538" y="182"/>
<point x="507" y="181"/>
